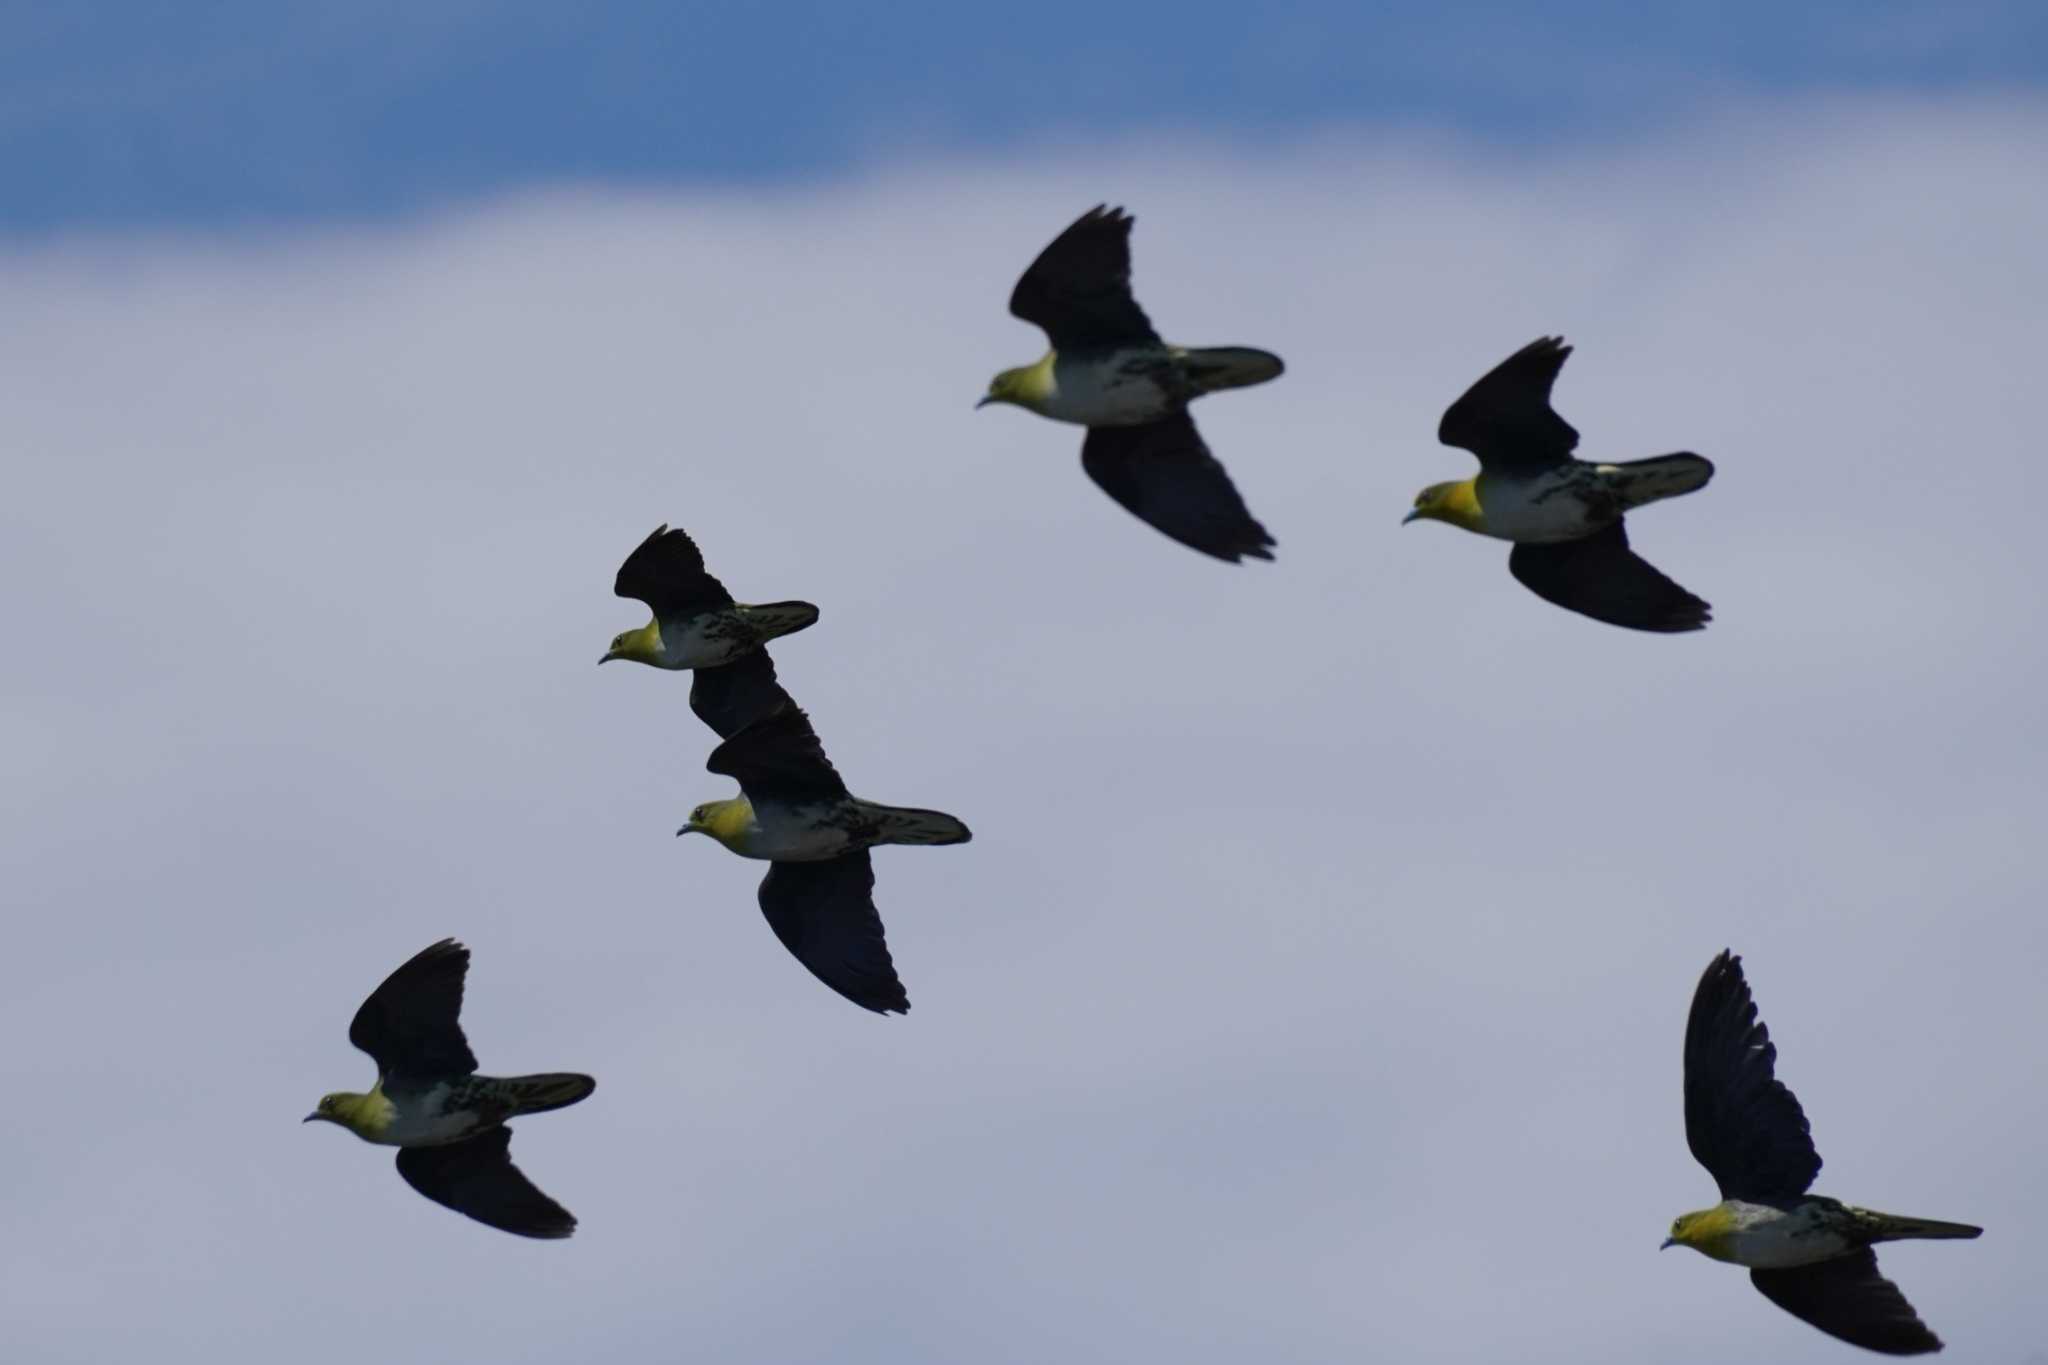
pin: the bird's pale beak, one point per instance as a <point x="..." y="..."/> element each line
<point x="686" y="829"/>
<point x="985" y="401"/>
<point x="1669" y="1242"/>
<point x="309" y="1118"/>
<point x="608" y="657"/>
<point x="1412" y="516"/>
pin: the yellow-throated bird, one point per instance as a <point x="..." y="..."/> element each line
<point x="697" y="625"/>
<point x="447" y="1122"/>
<point x="1809" y="1255"/>
<point x="819" y="896"/>
<point x="1563" y="514"/>
<point x="1110" y="372"/>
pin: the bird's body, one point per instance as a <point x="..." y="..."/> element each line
<point x="1807" y="1253"/>
<point x="795" y="813"/>
<point x="712" y="638"/>
<point x="1109" y="371"/>
<point x="447" y="1121"/>
<point x="1564" y="515"/>
<point x="1812" y="1229"/>
<point x="815" y="831"/>
<point x="1567" y="502"/>
<point x="450" y="1109"/>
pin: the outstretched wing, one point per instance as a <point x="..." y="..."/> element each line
<point x="779" y="757"/>
<point x="1741" y="1122"/>
<point x="1506" y="418"/>
<point x="409" y="1023"/>
<point x="1599" y="576"/>
<point x="733" y="696"/>
<point x="476" y="1177"/>
<point x="1079" y="288"/>
<point x="1162" y="472"/>
<point x="1848" y="1299"/>
<point x="667" y="573"/>
<point x="824" y="913"/>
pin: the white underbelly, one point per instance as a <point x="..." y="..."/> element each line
<point x="697" y="647"/>
<point x="1776" y="1240"/>
<point x="424" y="1123"/>
<point x="793" y="836"/>
<point x="1112" y="393"/>
<point x="1539" y="511"/>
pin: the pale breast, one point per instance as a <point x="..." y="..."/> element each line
<point x="1557" y="505"/>
<point x="707" y="641"/>
<point x="1123" y="389"/>
<point x="1772" y="1239"/>
<point x="795" y="834"/>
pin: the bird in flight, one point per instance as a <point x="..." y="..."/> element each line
<point x="1563" y="514"/>
<point x="1109" y="371"/>
<point x="447" y="1122"/>
<point x="795" y="813"/>
<point x="1808" y="1254"/>
<point x="697" y="625"/>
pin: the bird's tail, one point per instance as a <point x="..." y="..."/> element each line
<point x="909" y="825"/>
<point x="1891" y="1227"/>
<point x="1211" y="368"/>
<point x="770" y="619"/>
<point x="549" y="1090"/>
<point x="1660" y="476"/>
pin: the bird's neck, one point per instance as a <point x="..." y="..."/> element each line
<point x="644" y="644"/>
<point x="1034" y="385"/>
<point x="367" y="1116"/>
<point x="1460" y="505"/>
<point x="730" y="821"/>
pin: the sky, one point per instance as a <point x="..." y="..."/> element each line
<point x="1313" y="987"/>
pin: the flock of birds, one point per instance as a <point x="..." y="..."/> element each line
<point x="1109" y="371"/>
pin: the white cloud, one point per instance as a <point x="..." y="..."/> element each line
<point x="1312" y="990"/>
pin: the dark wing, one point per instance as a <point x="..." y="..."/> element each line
<point x="1847" y="1298"/>
<point x="1506" y="419"/>
<point x="1741" y="1122"/>
<point x="1079" y="288"/>
<point x="779" y="756"/>
<point x="824" y="913"/>
<point x="409" y="1023"/>
<point x="476" y="1177"/>
<point x="1164" y="474"/>
<point x="1599" y="576"/>
<point x="733" y="696"/>
<point x="667" y="573"/>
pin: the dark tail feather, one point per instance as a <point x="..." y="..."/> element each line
<point x="909" y="825"/>
<point x="1229" y="367"/>
<point x="1660" y="476"/>
<point x="775" y="619"/>
<point x="1894" y="1228"/>
<point x="549" y="1090"/>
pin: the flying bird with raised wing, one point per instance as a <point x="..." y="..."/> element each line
<point x="697" y="625"/>
<point x="1109" y="371"/>
<point x="795" y="812"/>
<point x="447" y="1122"/>
<point x="1563" y="514"/>
<point x="1808" y="1254"/>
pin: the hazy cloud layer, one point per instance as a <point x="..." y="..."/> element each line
<point x="1313" y="988"/>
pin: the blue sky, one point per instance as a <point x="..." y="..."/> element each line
<point x="228" y="113"/>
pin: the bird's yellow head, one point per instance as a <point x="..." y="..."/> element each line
<point x="1706" y="1231"/>
<point x="725" y="821"/>
<point x="363" y="1115"/>
<point x="1027" y="386"/>
<point x="641" y="646"/>
<point x="1456" y="503"/>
